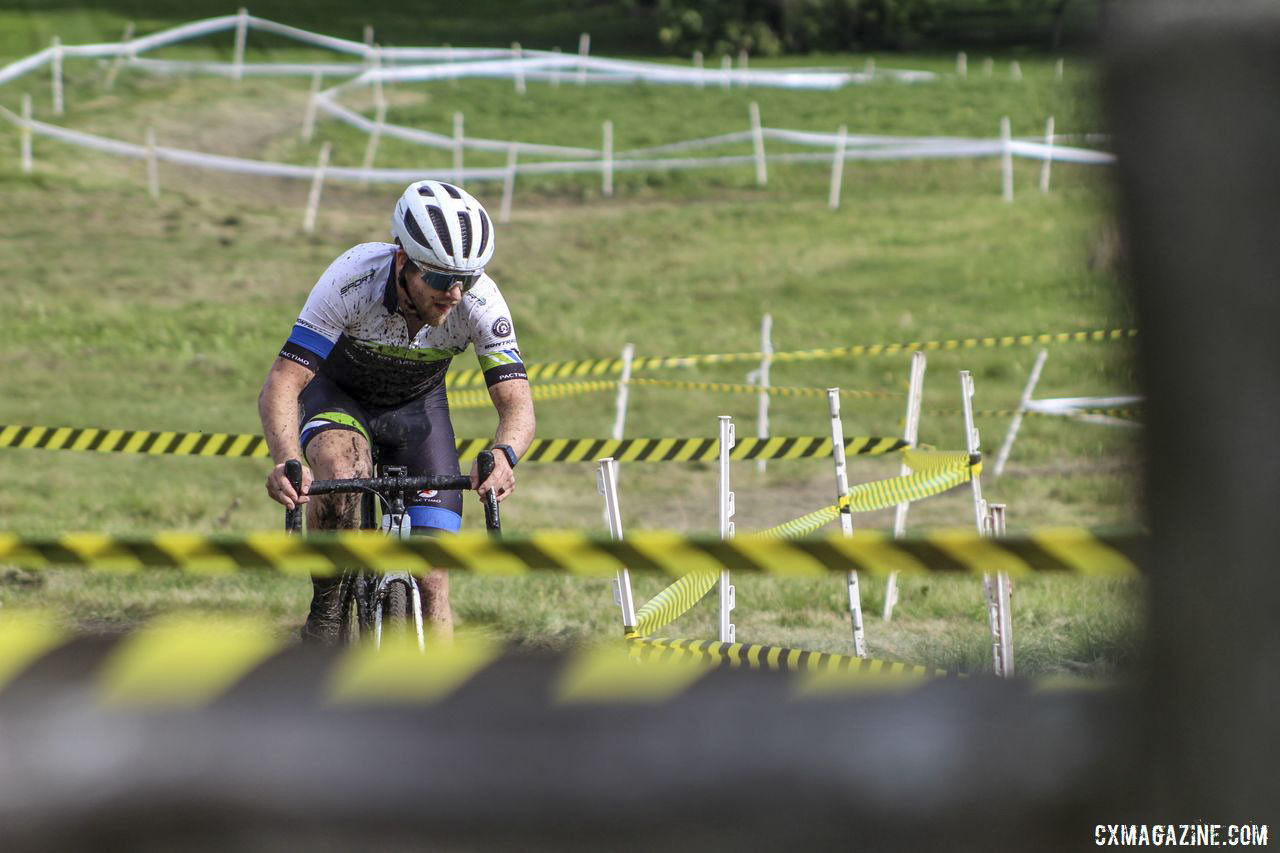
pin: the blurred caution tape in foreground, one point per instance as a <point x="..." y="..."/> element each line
<point x="1071" y="550"/>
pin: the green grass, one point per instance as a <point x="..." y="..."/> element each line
<point x="167" y="314"/>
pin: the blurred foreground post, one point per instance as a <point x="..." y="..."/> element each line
<point x="1191" y="98"/>
<point x="317" y="184"/>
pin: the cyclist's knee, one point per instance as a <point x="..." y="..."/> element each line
<point x="339" y="454"/>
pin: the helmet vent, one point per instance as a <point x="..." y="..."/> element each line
<point x="451" y="190"/>
<point x="442" y="230"/>
<point x="484" y="234"/>
<point x="415" y="233"/>
<point x="426" y="190"/>
<point x="465" y="224"/>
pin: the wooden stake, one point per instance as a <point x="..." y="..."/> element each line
<point x="584" y="50"/>
<point x="457" y="149"/>
<point x="242" y="34"/>
<point x="25" y="134"/>
<point x="607" y="172"/>
<point x="837" y="168"/>
<point x="1048" y="156"/>
<point x="508" y="184"/>
<point x="518" y="56"/>
<point x="1006" y="160"/>
<point x="55" y="73"/>
<point x="119" y="60"/>
<point x="309" y="117"/>
<point x="317" y="183"/>
<point x="371" y="148"/>
<point x="757" y="143"/>
<point x="153" y="168"/>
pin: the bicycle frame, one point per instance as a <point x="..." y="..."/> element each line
<point x="395" y="522"/>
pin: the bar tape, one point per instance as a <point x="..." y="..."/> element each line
<point x="542" y="450"/>
<point x="1054" y="549"/>
<point x="610" y="366"/>
<point x="776" y="658"/>
<point x="185" y="662"/>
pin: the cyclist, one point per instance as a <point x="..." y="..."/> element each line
<point x="365" y="366"/>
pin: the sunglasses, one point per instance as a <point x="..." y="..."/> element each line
<point x="444" y="281"/>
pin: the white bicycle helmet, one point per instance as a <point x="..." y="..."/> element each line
<point x="443" y="226"/>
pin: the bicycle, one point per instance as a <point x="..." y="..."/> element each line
<point x="368" y="598"/>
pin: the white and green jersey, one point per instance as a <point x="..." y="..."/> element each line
<point x="351" y="331"/>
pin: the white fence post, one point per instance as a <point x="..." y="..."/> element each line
<point x="114" y="70"/>
<point x="962" y="65"/>
<point x="726" y="67"/>
<point x="508" y="184"/>
<point x="607" y="483"/>
<point x="742" y="66"/>
<point x="55" y="75"/>
<point x="1016" y="423"/>
<point x="766" y="360"/>
<point x="728" y="599"/>
<point x="837" y="168"/>
<point x="242" y="34"/>
<point x="309" y="117"/>
<point x="24" y="134"/>
<point x="1006" y="160"/>
<point x="555" y="70"/>
<point x="997" y="593"/>
<point x="1048" y="155"/>
<point x="153" y="167"/>
<point x="1057" y="69"/>
<point x="697" y="64"/>
<point x="910" y="434"/>
<point x="448" y="59"/>
<point x="757" y="143"/>
<point x="606" y="171"/>
<point x="368" y="35"/>
<point x="317" y="182"/>
<point x="375" y="59"/>
<point x="584" y="50"/>
<point x="371" y="147"/>
<point x="988" y="65"/>
<point x="518" y="56"/>
<point x="846" y="518"/>
<point x="972" y="444"/>
<point x="624" y="388"/>
<point x="457" y="149"/>
<point x="871" y="68"/>
<point x="1015" y="71"/>
<point x="1004" y="588"/>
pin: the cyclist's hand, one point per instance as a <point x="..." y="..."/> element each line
<point x="281" y="490"/>
<point x="502" y="480"/>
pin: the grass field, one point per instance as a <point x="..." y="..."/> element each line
<point x="120" y="311"/>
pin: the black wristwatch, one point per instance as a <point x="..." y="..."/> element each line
<point x="512" y="459"/>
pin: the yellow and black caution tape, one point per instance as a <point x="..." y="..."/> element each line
<point x="613" y="366"/>
<point x="1127" y="414"/>
<point x="186" y="662"/>
<point x="1072" y="550"/>
<point x="771" y="390"/>
<point x="933" y="473"/>
<point x="479" y="398"/>
<point x="674" y="601"/>
<point x="777" y="658"/>
<point x="542" y="449"/>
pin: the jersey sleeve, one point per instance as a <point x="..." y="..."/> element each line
<point x="494" y="336"/>
<point x="321" y="323"/>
